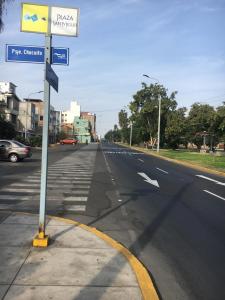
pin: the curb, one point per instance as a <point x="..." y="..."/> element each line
<point x="145" y="283"/>
<point x="179" y="162"/>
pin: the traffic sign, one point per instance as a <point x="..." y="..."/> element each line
<point x="51" y="77"/>
<point x="33" y="54"/>
<point x="60" y="56"/>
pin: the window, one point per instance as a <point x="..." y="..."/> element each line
<point x="6" y="144"/>
<point x="41" y="118"/>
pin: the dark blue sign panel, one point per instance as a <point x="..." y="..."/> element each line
<point x="60" y="56"/>
<point x="25" y="54"/>
<point x="33" y="54"/>
<point x="51" y="77"/>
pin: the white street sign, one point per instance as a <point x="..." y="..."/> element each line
<point x="64" y="21"/>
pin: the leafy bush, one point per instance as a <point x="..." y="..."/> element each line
<point x="36" y="141"/>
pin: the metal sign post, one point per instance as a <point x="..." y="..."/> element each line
<point x="49" y="20"/>
<point x="42" y="239"/>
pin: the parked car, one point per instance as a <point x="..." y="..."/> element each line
<point x="14" y="150"/>
<point x="69" y="141"/>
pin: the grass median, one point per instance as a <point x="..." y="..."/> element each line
<point x="206" y="160"/>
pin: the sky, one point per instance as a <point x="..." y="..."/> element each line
<point x="179" y="42"/>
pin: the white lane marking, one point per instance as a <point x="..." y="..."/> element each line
<point x="162" y="170"/>
<point x="148" y="180"/>
<point x="14" y="197"/>
<point x="71" y="181"/>
<point x="211" y="179"/>
<point x="37" y="190"/>
<point x="120" y="200"/>
<point x="140" y="160"/>
<point x="80" y="199"/>
<point x="123" y="152"/>
<point x="5" y="206"/>
<point x="71" y="186"/>
<point x="75" y="207"/>
<point x="20" y="190"/>
<point x="214" y="195"/>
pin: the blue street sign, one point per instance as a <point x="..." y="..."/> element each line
<point x="51" y="77"/>
<point x="17" y="53"/>
<point x="33" y="54"/>
<point x="60" y="56"/>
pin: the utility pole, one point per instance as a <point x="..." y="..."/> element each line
<point x="159" y="122"/>
<point x="131" y="132"/>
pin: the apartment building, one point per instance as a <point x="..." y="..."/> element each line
<point x="67" y="117"/>
<point x="91" y="118"/>
<point x="9" y="102"/>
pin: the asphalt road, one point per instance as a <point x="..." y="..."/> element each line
<point x="171" y="217"/>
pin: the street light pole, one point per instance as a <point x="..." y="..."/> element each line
<point x="159" y="114"/>
<point x="131" y="132"/>
<point x="159" y="122"/>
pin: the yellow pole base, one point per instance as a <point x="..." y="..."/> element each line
<point x="41" y="240"/>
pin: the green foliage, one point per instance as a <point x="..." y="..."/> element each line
<point x="123" y="122"/>
<point x="220" y="122"/>
<point x="113" y="136"/>
<point x="144" y="109"/>
<point x="61" y="136"/>
<point x="36" y="141"/>
<point x="176" y="128"/>
<point x="7" y="129"/>
<point x="202" y="124"/>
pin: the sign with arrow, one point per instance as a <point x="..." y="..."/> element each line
<point x="35" y="54"/>
<point x="149" y="180"/>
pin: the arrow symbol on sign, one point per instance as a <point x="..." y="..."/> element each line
<point x="149" y="180"/>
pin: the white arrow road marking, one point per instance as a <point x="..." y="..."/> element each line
<point x="214" y="195"/>
<point x="140" y="160"/>
<point x="211" y="179"/>
<point x="149" y="180"/>
<point x="162" y="170"/>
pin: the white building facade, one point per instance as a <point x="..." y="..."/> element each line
<point x="9" y="102"/>
<point x="69" y="115"/>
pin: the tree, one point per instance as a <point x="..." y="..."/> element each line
<point x="201" y="122"/>
<point x="2" y="9"/>
<point x="123" y="122"/>
<point x="7" y="130"/>
<point x="144" y="110"/>
<point x="113" y="135"/>
<point x="176" y="128"/>
<point x="220" y="122"/>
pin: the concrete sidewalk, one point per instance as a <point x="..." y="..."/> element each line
<point x="80" y="263"/>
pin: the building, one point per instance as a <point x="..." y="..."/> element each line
<point x="67" y="117"/>
<point x="39" y="112"/>
<point x="26" y="119"/>
<point x="9" y="102"/>
<point x="54" y="125"/>
<point x="82" y="130"/>
<point x="91" y="118"/>
<point x="54" y="119"/>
